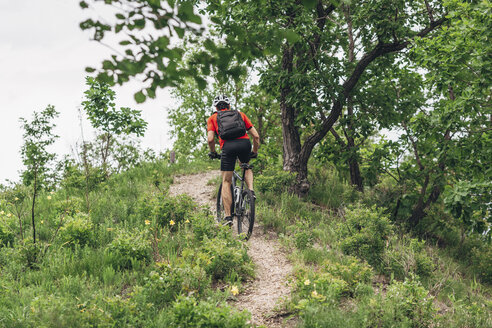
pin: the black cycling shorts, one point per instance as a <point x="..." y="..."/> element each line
<point x="232" y="149"/>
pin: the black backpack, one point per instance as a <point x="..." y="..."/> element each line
<point x="230" y="124"/>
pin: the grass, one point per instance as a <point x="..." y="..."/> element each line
<point x="109" y="263"/>
<point x="117" y="260"/>
<point x="424" y="285"/>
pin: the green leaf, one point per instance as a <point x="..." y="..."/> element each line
<point x="83" y="5"/>
<point x="139" y="23"/>
<point x="139" y="97"/>
<point x="120" y="16"/>
<point x="179" y="31"/>
<point x="151" y="92"/>
<point x="291" y="36"/>
<point x="202" y="84"/>
<point x="309" y="3"/>
<point x="162" y="42"/>
<point x="90" y="69"/>
<point x="125" y="42"/>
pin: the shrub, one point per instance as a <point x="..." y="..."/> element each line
<point x="481" y="259"/>
<point x="221" y="257"/>
<point x="77" y="230"/>
<point x="364" y="234"/>
<point x="303" y="235"/>
<point x="164" y="286"/>
<point x="329" y="190"/>
<point x="30" y="253"/>
<point x="189" y="312"/>
<point x="6" y="234"/>
<point x="407" y="304"/>
<point x="128" y="247"/>
<point x="354" y="272"/>
<point x="275" y="181"/>
<point x="407" y="256"/>
<point x="319" y="287"/>
<point x="69" y="207"/>
<point x="203" y="226"/>
<point x="167" y="210"/>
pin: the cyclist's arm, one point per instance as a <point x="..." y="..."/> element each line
<point x="256" y="138"/>
<point x="211" y="140"/>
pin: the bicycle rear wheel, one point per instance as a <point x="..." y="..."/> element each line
<point x="220" y="206"/>
<point x="246" y="220"/>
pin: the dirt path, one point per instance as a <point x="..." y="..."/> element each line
<point x="272" y="267"/>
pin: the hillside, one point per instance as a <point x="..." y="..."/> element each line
<point x="132" y="254"/>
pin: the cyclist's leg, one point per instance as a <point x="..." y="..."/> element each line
<point x="226" y="192"/>
<point x="227" y="163"/>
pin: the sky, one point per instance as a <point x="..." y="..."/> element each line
<point x="44" y="53"/>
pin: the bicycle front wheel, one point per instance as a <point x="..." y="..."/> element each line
<point x="246" y="220"/>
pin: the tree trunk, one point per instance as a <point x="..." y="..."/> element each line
<point x="32" y="208"/>
<point x="355" y="176"/>
<point x="291" y="139"/>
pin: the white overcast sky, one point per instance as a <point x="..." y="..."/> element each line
<point x="43" y="55"/>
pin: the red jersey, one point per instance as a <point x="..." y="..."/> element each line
<point x="212" y="126"/>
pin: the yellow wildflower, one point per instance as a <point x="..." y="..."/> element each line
<point x="307" y="282"/>
<point x="147" y="222"/>
<point x="16" y="198"/>
<point x="42" y="221"/>
<point x="234" y="290"/>
<point x="187" y="221"/>
<point x="48" y="197"/>
<point x="109" y="229"/>
<point x="9" y="214"/>
<point x="171" y="222"/>
<point x="2" y="212"/>
<point x="314" y="294"/>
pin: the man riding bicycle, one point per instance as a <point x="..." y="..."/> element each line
<point x="232" y="128"/>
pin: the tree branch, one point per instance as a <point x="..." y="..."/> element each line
<point x="379" y="50"/>
<point x="414" y="146"/>
<point x="338" y="138"/>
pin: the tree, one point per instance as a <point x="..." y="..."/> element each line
<point x="329" y="47"/>
<point x="103" y="115"/>
<point x="38" y="136"/>
<point x="298" y="43"/>
<point x="452" y="142"/>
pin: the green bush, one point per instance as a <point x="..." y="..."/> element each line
<point x="203" y="226"/>
<point x="354" y="272"/>
<point x="30" y="252"/>
<point x="129" y="246"/>
<point x="303" y="235"/>
<point x="190" y="312"/>
<point x="407" y="256"/>
<point x="407" y="304"/>
<point x="329" y="190"/>
<point x="7" y="236"/>
<point x="365" y="233"/>
<point x="68" y="207"/>
<point x="58" y="311"/>
<point x="164" y="285"/>
<point x="77" y="230"/>
<point x="319" y="287"/>
<point x="481" y="259"/>
<point x="221" y="257"/>
<point x="275" y="181"/>
<point x="167" y="210"/>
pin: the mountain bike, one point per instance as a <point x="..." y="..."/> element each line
<point x="243" y="203"/>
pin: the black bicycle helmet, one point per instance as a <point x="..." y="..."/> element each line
<point x="221" y="99"/>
